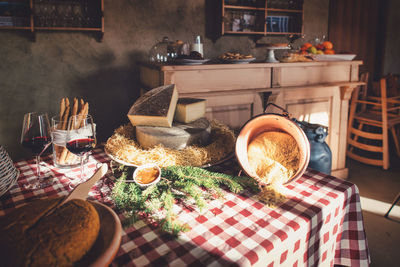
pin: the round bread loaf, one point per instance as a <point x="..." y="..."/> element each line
<point x="36" y="235"/>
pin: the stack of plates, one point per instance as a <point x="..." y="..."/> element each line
<point x="8" y="173"/>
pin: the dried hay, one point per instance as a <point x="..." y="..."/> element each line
<point x="122" y="145"/>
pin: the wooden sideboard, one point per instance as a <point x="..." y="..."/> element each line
<point x="317" y="92"/>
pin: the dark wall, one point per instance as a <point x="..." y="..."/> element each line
<point x="392" y="39"/>
<point x="34" y="76"/>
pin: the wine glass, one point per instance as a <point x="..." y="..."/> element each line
<point x="36" y="136"/>
<point x="81" y="138"/>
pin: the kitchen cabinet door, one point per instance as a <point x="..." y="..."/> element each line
<point x="317" y="106"/>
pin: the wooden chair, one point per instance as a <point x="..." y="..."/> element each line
<point x="397" y="199"/>
<point x="370" y="120"/>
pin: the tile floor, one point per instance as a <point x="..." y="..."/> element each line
<point x="378" y="188"/>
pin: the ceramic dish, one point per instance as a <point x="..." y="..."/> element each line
<point x="337" y="57"/>
<point x="141" y="168"/>
<point x="278" y="47"/>
<point x="238" y="61"/>
<point x="120" y="161"/>
<point x="187" y="61"/>
<point x="108" y="241"/>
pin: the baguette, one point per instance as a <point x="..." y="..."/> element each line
<point x="76" y="125"/>
<point x="64" y="127"/>
<point x="82" y="115"/>
<point x="65" y="118"/>
<point x="59" y="126"/>
<point x="62" y="110"/>
<point x="67" y="112"/>
<point x="75" y="107"/>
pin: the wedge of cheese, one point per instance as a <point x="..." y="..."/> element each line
<point x="155" y="108"/>
<point x="190" y="109"/>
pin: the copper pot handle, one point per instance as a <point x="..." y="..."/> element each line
<point x="284" y="111"/>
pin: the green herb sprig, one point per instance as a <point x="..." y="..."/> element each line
<point x="189" y="186"/>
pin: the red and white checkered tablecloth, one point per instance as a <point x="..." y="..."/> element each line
<point x="320" y="224"/>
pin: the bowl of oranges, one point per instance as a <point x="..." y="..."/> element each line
<point x="324" y="52"/>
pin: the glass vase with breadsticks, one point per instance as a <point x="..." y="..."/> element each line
<point x="60" y="125"/>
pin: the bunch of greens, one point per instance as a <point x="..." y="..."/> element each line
<point x="185" y="185"/>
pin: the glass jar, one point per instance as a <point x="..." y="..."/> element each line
<point x="62" y="157"/>
<point x="163" y="51"/>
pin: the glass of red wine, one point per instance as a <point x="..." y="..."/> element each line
<point x="81" y="138"/>
<point x="36" y="136"/>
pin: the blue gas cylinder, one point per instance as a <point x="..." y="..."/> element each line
<point x="320" y="153"/>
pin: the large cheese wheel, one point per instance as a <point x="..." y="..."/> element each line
<point x="177" y="137"/>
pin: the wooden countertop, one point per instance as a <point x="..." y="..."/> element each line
<point x="247" y="66"/>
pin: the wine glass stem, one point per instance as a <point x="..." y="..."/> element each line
<point x="38" y="166"/>
<point x="81" y="158"/>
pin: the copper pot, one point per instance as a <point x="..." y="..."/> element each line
<point x="271" y="122"/>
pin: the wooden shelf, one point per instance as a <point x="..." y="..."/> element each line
<point x="248" y="32"/>
<point x="91" y="12"/>
<point x="285" y="10"/>
<point x="15" y="27"/>
<point x="234" y="15"/>
<point x="286" y="33"/>
<point x="67" y="29"/>
<point x="244" y="7"/>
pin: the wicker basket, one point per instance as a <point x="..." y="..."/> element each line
<point x="8" y="173"/>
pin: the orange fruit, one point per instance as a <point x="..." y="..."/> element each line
<point x="329" y="52"/>
<point x="306" y="46"/>
<point x="328" y="45"/>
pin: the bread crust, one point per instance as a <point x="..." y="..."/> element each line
<point x="31" y="237"/>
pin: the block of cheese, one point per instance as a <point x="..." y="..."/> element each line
<point x="155" y="108"/>
<point x="177" y="137"/>
<point x="190" y="109"/>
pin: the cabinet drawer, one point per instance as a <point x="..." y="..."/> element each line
<point x="298" y="76"/>
<point x="190" y="81"/>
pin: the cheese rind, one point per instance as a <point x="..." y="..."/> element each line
<point x="177" y="137"/>
<point x="190" y="109"/>
<point x="155" y="108"/>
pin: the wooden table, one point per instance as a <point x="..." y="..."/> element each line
<point x="320" y="224"/>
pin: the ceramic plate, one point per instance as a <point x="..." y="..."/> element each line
<point x="120" y="161"/>
<point x="187" y="61"/>
<point x="337" y="57"/>
<point x="278" y="47"/>
<point x="108" y="241"/>
<point x="238" y="61"/>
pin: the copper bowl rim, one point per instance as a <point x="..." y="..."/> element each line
<point x="247" y="133"/>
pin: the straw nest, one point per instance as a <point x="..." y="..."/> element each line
<point x="123" y="146"/>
